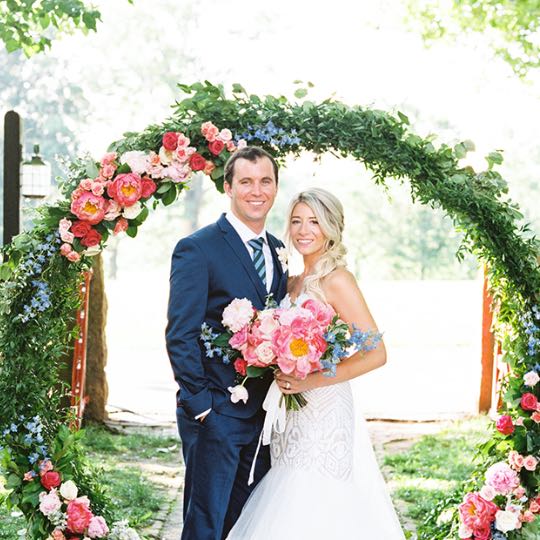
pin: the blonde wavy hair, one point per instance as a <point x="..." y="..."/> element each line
<point x="329" y="213"/>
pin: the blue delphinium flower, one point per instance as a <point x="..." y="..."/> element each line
<point x="32" y="458"/>
<point x="270" y="133"/>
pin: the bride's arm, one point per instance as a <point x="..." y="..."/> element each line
<point x="342" y="293"/>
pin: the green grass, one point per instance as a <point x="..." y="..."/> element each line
<point x="136" y="496"/>
<point x="431" y="469"/>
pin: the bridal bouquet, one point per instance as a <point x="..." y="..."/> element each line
<point x="298" y="340"/>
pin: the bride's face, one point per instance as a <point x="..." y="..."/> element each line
<point x="305" y="231"/>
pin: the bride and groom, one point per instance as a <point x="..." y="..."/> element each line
<point x="319" y="477"/>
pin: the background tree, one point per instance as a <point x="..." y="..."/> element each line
<point x="511" y="27"/>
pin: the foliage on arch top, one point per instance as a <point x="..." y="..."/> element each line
<point x="48" y="475"/>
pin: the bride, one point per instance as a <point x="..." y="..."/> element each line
<point x="324" y="481"/>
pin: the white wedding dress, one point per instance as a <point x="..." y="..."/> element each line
<point x="324" y="483"/>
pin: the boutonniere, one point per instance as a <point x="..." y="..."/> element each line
<point x="283" y="256"/>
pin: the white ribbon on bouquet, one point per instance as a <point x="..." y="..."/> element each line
<point x="275" y="419"/>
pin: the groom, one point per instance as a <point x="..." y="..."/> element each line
<point x="232" y="258"/>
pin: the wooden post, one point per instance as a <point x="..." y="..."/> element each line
<point x="488" y="349"/>
<point x="78" y="372"/>
<point x="12" y="175"/>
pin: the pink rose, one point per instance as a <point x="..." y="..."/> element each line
<point x="209" y="167"/>
<point x="238" y="340"/>
<point x="73" y="256"/>
<point x="536" y="416"/>
<point x="241" y="144"/>
<point x="534" y="506"/>
<point x="92" y="238"/>
<point x="477" y="513"/>
<point x="97" y="528"/>
<point x="29" y="476"/>
<point x="86" y="184"/>
<point x="78" y="515"/>
<point x="530" y="463"/>
<point x="51" y="479"/>
<point x="170" y="141"/>
<point x="49" y="503"/>
<point x="231" y="147"/>
<point x="515" y="459"/>
<point x="65" y="249"/>
<point x="113" y="211"/>
<point x="121" y="226"/>
<point x="125" y="189"/>
<point x="98" y="188"/>
<point x="67" y="236"/>
<point x="529" y="402"/>
<point x="265" y="353"/>
<point x="209" y="131"/>
<point x="184" y="153"/>
<point x="527" y="517"/>
<point x="148" y="187"/>
<point x="505" y="425"/>
<point x="531" y="378"/>
<point x="519" y="492"/>
<point x="519" y="421"/>
<point x="89" y="207"/>
<point x="240" y="365"/>
<point x="182" y="140"/>
<point x="57" y="534"/>
<point x="108" y="158"/>
<point x="107" y="171"/>
<point x="225" y="135"/>
<point x="216" y="147"/>
<point x="502" y="478"/>
<point x="64" y="225"/>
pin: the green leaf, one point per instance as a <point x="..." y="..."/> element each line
<point x="164" y="187"/>
<point x="403" y="117"/>
<point x="170" y="196"/>
<point x="300" y="93"/>
<point x="92" y="169"/>
<point x="132" y="231"/>
<point x="123" y="169"/>
<point x="253" y="371"/>
<point x="238" y="89"/>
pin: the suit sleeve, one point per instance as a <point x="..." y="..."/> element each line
<point x="186" y="312"/>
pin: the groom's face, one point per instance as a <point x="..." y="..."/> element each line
<point x="252" y="191"/>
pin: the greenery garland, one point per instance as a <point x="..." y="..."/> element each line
<point x="39" y="292"/>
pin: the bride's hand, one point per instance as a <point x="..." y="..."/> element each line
<point x="291" y="385"/>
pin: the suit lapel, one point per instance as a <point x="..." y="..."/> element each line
<point x="240" y="250"/>
<point x="278" y="269"/>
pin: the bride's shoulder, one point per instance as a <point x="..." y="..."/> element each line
<point x="339" y="281"/>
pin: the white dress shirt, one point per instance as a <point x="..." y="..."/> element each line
<point x="246" y="234"/>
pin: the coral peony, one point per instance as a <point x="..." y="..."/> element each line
<point x="89" y="207"/>
<point x="125" y="189"/>
<point x="78" y="515"/>
<point x="475" y="512"/>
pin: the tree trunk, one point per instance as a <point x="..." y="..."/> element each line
<point x="96" y="387"/>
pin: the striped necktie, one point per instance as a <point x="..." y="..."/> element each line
<point x="258" y="257"/>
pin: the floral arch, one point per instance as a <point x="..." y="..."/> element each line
<point x="41" y="456"/>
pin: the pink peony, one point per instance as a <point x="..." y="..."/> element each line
<point x="502" y="478"/>
<point x="477" y="513"/>
<point x="49" y="503"/>
<point x="323" y="313"/>
<point x="125" y="189"/>
<point x="209" y="131"/>
<point x="505" y="425"/>
<point x="267" y="323"/>
<point x="529" y="402"/>
<point x="78" y="515"/>
<point x="89" y="207"/>
<point x="237" y="314"/>
<point x="97" y="528"/>
<point x="530" y="463"/>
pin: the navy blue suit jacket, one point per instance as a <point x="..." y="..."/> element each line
<point x="209" y="269"/>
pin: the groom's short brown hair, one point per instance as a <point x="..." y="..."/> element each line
<point x="251" y="153"/>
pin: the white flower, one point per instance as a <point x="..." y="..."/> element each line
<point x="92" y="251"/>
<point x="487" y="493"/>
<point x="531" y="378"/>
<point x="237" y="314"/>
<point x="464" y="531"/>
<point x="506" y="521"/>
<point x="166" y="156"/>
<point x="238" y="392"/>
<point x="69" y="490"/>
<point x="283" y="256"/>
<point x="131" y="212"/>
<point x="138" y="161"/>
<point x="264" y="352"/>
